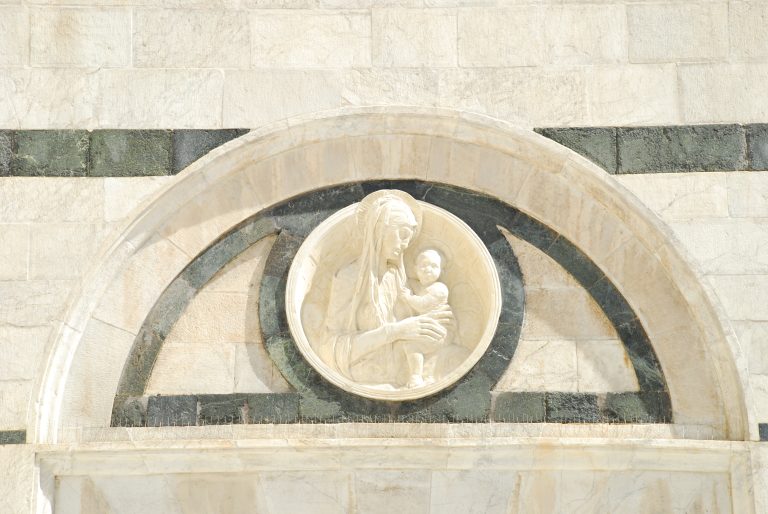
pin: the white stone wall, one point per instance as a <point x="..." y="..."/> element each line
<point x="241" y="63"/>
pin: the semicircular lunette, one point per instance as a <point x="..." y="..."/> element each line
<point x="315" y="399"/>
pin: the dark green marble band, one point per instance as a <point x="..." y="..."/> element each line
<point x="618" y="150"/>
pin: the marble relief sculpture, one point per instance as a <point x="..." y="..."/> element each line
<point x="377" y="301"/>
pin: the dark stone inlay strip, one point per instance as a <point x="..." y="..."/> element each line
<point x="287" y="408"/>
<point x="7" y="150"/>
<point x="190" y="145"/>
<point x="124" y="153"/>
<point x="568" y="407"/>
<point x="467" y="400"/>
<point x="50" y="153"/>
<point x="208" y="409"/>
<point x="684" y="148"/>
<point x="13" y="437"/>
<point x="130" y="153"/>
<point x="763" y="430"/>
<point x="106" y="153"/>
<point x="598" y="144"/>
<point x="757" y="146"/>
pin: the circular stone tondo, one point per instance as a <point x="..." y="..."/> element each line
<point x="392" y="298"/>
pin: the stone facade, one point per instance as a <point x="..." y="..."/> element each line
<point x="103" y="105"/>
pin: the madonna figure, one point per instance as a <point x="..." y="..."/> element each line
<point x="368" y="320"/>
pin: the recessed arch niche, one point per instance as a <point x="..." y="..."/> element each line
<point x="265" y="167"/>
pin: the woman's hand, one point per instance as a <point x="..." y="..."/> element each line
<point x="432" y="326"/>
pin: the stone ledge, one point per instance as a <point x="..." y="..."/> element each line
<point x="618" y="150"/>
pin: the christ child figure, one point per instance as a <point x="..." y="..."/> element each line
<point x="430" y="295"/>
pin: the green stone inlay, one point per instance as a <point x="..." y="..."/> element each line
<point x="598" y="144"/>
<point x="51" y="153"/>
<point x="130" y="153"/>
<point x="572" y="408"/>
<point x="190" y="145"/>
<point x="7" y="140"/>
<point x="682" y="148"/>
<point x="520" y="407"/>
<point x="757" y="146"/>
<point x="13" y="437"/>
<point x="643" y="407"/>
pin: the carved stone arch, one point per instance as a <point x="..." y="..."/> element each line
<point x="540" y="178"/>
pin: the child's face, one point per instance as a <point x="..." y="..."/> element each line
<point x="428" y="267"/>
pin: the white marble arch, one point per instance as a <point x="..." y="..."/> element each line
<point x="694" y="343"/>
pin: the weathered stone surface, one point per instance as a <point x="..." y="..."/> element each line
<point x="71" y="199"/>
<point x="748" y="37"/>
<point x="683" y="196"/>
<point x="724" y="93"/>
<point x="403" y="86"/>
<point x="129" y="412"/>
<point x="129" y="98"/>
<point x="119" y="153"/>
<point x="683" y="148"/>
<point x="572" y="408"/>
<point x="501" y="37"/>
<point x="185" y="38"/>
<point x="81" y="37"/>
<point x="62" y="250"/>
<point x="675" y="32"/>
<point x="744" y="252"/>
<point x="190" y="145"/>
<point x="7" y="138"/>
<point x="743" y="296"/>
<point x="636" y="94"/>
<point x="32" y="302"/>
<point x="529" y="96"/>
<point x="542" y="365"/>
<point x="304" y="40"/>
<point x="407" y="38"/>
<point x="163" y="411"/>
<point x="14" y="36"/>
<point x="585" y="34"/>
<point x="253" y="98"/>
<point x="122" y="195"/>
<point x="51" y="153"/>
<point x="757" y="146"/>
<point x="575" y="261"/>
<point x="469" y="401"/>
<point x="193" y="367"/>
<point x="14" y="251"/>
<point x="221" y="409"/>
<point x="21" y="349"/>
<point x="520" y="407"/>
<point x="596" y="144"/>
<point x="603" y="366"/>
<point x="637" y="407"/>
<point x="273" y="408"/>
<point x="650" y="377"/>
<point x="13" y="436"/>
<point x="48" y="98"/>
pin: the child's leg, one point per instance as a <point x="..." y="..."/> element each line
<point x="416" y="367"/>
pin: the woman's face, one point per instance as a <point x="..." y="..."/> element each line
<point x="395" y="239"/>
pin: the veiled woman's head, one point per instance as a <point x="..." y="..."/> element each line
<point x="389" y="225"/>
